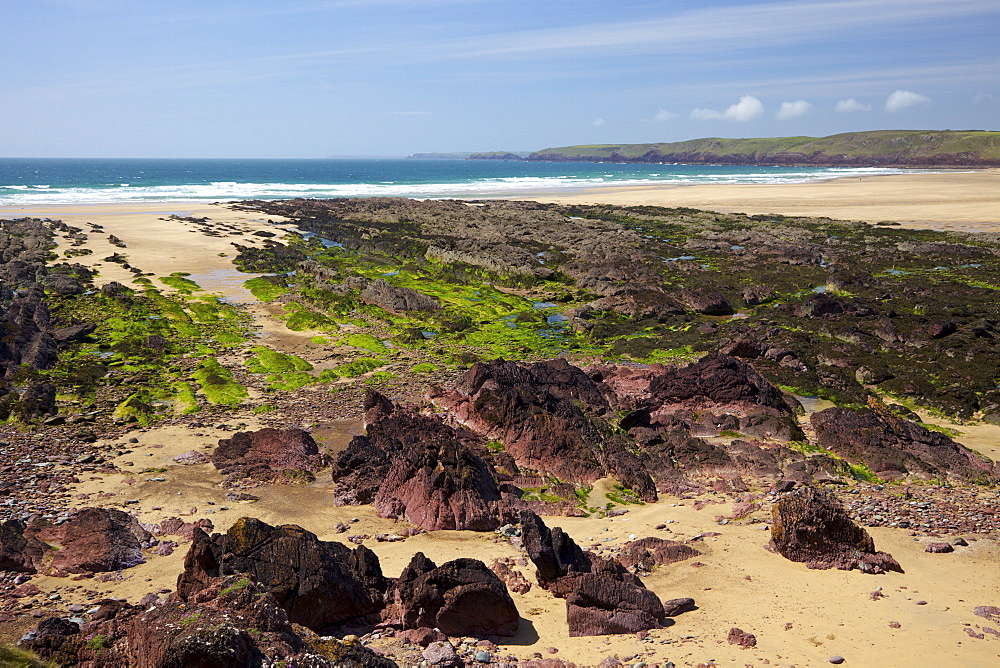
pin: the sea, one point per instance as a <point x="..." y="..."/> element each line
<point x="33" y="181"/>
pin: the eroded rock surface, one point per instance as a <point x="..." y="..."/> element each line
<point x="266" y="455"/>
<point x="810" y="525"/>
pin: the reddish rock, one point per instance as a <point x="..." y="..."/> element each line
<point x="267" y="455"/>
<point x="740" y="637"/>
<point x="19" y="553"/>
<point x="646" y="554"/>
<point x="939" y="548"/>
<point x="431" y="476"/>
<point x="175" y="526"/>
<point x="461" y="598"/>
<point x="513" y="579"/>
<point x="892" y="446"/>
<point x="544" y="414"/>
<point x="601" y="596"/>
<point x="707" y="301"/>
<point x="809" y="525"/>
<point x="94" y="540"/>
<point x="422" y="636"/>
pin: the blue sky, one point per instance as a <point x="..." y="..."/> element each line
<point x="311" y="78"/>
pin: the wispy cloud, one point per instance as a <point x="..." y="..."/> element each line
<point x="747" y="109"/>
<point x="776" y="23"/>
<point x="664" y="115"/>
<point x="795" y="109"/>
<point x="904" y="99"/>
<point x="850" y="104"/>
<point x="599" y="122"/>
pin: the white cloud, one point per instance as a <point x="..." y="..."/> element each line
<point x="663" y="115"/>
<point x="982" y="97"/>
<point x="850" y="104"/>
<point x="903" y="99"/>
<point x="748" y="108"/>
<point x="793" y="109"/>
<point x="599" y="121"/>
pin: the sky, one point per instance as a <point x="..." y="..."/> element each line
<point x="315" y="78"/>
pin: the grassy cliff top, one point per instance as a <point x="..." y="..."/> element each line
<point x="910" y="143"/>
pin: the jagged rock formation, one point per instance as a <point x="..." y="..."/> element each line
<point x="602" y="597"/>
<point x="415" y="466"/>
<point x="538" y="412"/>
<point x="318" y="583"/>
<point x="809" y="525"/>
<point x="266" y="455"/>
<point x="235" y="622"/>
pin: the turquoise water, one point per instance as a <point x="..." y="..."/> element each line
<point x="29" y="181"/>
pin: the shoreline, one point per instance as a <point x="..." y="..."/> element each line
<point x="964" y="201"/>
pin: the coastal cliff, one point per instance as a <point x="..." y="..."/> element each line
<point x="883" y="148"/>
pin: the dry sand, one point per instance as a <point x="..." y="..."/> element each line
<point x="801" y="617"/>
<point x="963" y="201"/>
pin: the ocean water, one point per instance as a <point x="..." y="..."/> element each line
<point x="31" y="181"/>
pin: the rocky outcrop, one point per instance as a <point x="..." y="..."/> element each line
<point x="397" y="300"/>
<point x="810" y="526"/>
<point x="256" y="457"/>
<point x="602" y="597"/>
<point x="318" y="583"/>
<point x="19" y="553"/>
<point x="461" y="598"/>
<point x="706" y="301"/>
<point x="894" y="447"/>
<point x="548" y="417"/>
<point x="414" y="466"/>
<point x="235" y="622"/>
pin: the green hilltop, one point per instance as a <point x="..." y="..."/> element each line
<point x="911" y="148"/>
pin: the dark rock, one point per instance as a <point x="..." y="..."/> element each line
<point x="758" y="294"/>
<point x="707" y="301"/>
<point x="678" y="606"/>
<point x="601" y="596"/>
<point x="53" y="639"/>
<point x="461" y="598"/>
<point x="317" y="583"/>
<point x="887" y="443"/>
<point x="809" y="525"/>
<point x="939" y="548"/>
<point x="397" y="300"/>
<point x="73" y="332"/>
<point x="19" y="553"/>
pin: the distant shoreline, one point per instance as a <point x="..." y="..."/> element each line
<point x="954" y="200"/>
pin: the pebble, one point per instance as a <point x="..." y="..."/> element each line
<point x="483" y="657"/>
<point x="836" y="659"/>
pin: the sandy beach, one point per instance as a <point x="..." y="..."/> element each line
<point x="959" y="201"/>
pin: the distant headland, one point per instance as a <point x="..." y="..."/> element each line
<point x="880" y="148"/>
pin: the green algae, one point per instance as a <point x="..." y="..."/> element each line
<point x="267" y="288"/>
<point x="218" y="384"/>
<point x="184" y="400"/>
<point x="137" y="408"/>
<point x="266" y="360"/>
<point x="179" y="283"/>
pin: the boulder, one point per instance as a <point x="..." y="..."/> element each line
<point x="809" y="525"/>
<point x="19" y="553"/>
<point x="462" y="597"/>
<point x="706" y="301"/>
<point x="646" y="554"/>
<point x="268" y="454"/>
<point x="318" y="583"/>
<point x="94" y="540"/>
<point x="53" y="639"/>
